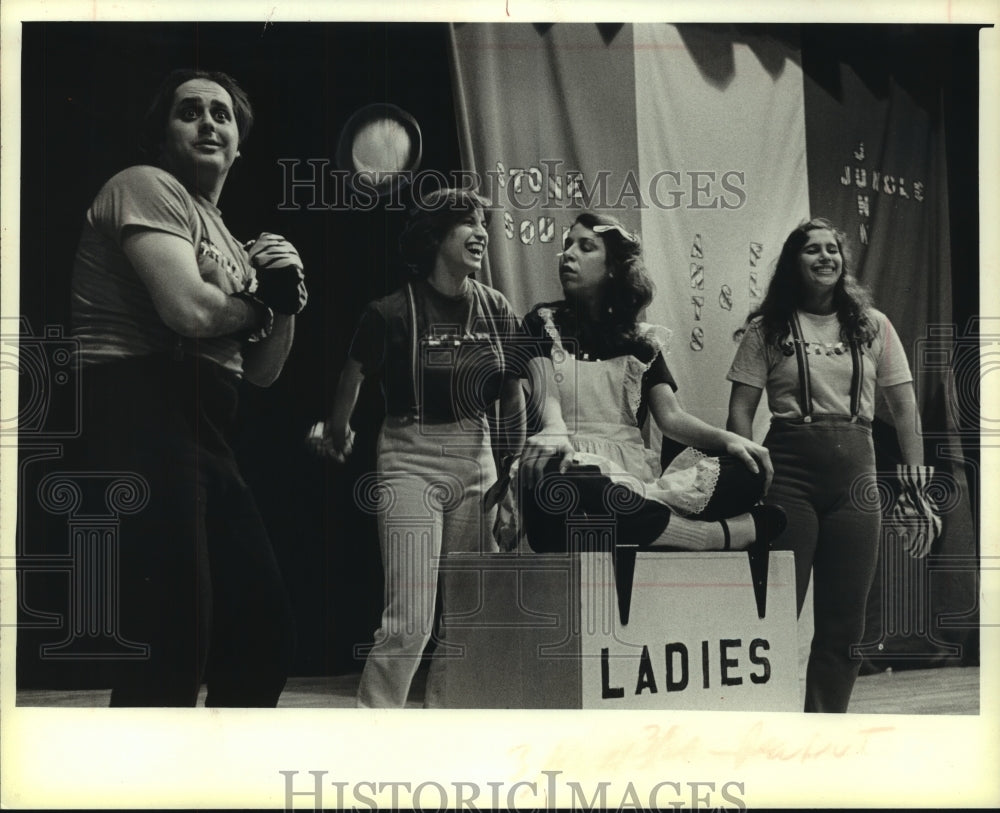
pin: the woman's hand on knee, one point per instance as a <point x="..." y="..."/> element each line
<point x="539" y="450"/>
<point x="754" y="456"/>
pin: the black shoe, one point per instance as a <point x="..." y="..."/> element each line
<point x="768" y="521"/>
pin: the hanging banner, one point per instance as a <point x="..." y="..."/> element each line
<point x="877" y="169"/>
<point x="546" y="123"/>
<point x="691" y="136"/>
<point x="721" y="137"/>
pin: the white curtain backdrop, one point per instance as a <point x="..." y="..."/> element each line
<point x="721" y="124"/>
<point x="695" y="137"/>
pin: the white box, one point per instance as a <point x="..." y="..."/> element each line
<point x="545" y="631"/>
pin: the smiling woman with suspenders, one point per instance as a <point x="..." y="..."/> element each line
<point x="820" y="349"/>
<point x="437" y="348"/>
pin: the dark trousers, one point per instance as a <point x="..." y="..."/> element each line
<point x="199" y="583"/>
<point x="584" y="494"/>
<point x="824" y="478"/>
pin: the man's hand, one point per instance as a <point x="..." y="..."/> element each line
<point x="280" y="278"/>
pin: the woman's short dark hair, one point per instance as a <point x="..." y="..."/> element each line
<point x="154" y="124"/>
<point x="431" y="218"/>
<point x="785" y="293"/>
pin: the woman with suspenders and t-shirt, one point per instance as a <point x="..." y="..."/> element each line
<point x="820" y="349"/>
<point x="436" y="346"/>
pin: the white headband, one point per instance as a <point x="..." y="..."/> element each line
<point x="600" y="229"/>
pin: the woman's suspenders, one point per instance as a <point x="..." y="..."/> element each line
<point x="805" y="388"/>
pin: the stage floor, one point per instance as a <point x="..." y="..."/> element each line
<point x="950" y="690"/>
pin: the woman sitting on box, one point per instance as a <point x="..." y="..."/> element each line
<point x="597" y="374"/>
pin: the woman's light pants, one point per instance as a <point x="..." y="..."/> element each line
<point x="431" y="481"/>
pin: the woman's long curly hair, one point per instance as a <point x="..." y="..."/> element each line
<point x="786" y="293"/>
<point x="626" y="291"/>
